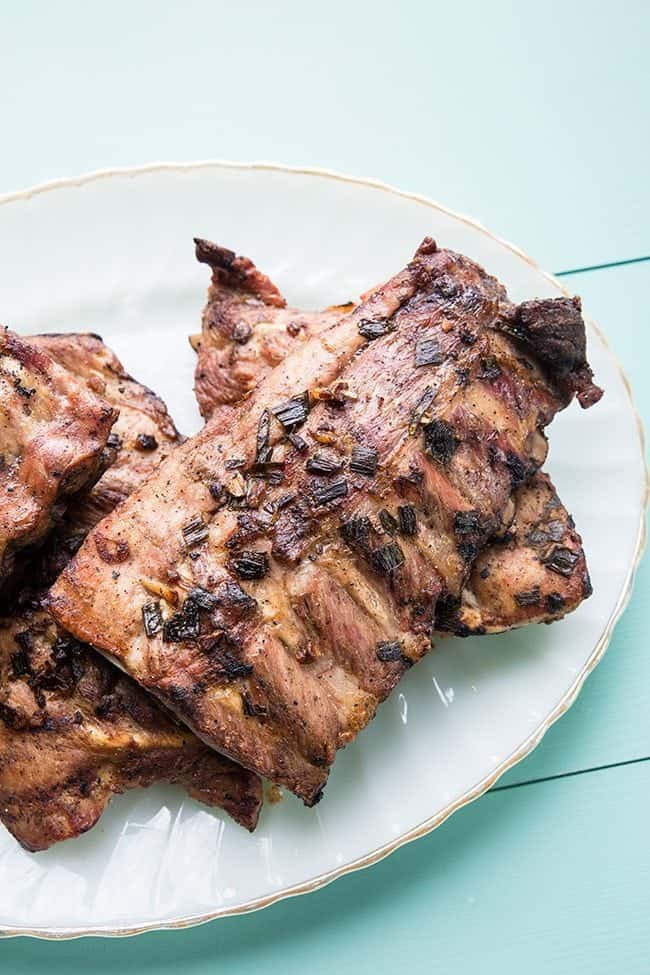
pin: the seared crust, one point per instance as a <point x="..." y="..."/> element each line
<point x="290" y="610"/>
<point x="536" y="573"/>
<point x="554" y="332"/>
<point x="74" y="730"/>
<point x="53" y="431"/>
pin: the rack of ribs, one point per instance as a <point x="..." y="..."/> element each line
<point x="304" y="542"/>
<point x="248" y="328"/>
<point x="75" y="730"/>
<point x="53" y="431"/>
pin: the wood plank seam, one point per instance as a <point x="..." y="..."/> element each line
<point x="568" y="775"/>
<point x="602" y="267"/>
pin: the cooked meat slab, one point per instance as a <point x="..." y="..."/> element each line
<point x="74" y="730"/>
<point x="302" y="542"/>
<point x="246" y="320"/>
<point x="53" y="431"/>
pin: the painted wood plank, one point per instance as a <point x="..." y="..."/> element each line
<point x="526" y="116"/>
<point x="537" y="879"/>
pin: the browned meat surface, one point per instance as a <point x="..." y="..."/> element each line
<point x="53" y="431"/>
<point x="143" y="436"/>
<point x="246" y="330"/>
<point x="301" y="543"/>
<point x="553" y="330"/>
<point x="521" y="588"/>
<point x="536" y="573"/>
<point x="74" y="730"/>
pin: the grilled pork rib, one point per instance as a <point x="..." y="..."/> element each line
<point x="53" y="430"/>
<point x="303" y="541"/>
<point x="74" y="730"/>
<point x="247" y="329"/>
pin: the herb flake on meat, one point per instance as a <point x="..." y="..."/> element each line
<point x="183" y="625"/>
<point x="389" y="651"/>
<point x="374" y="328"/>
<point x="203" y="598"/>
<point x="428" y="352"/>
<point x="423" y="404"/>
<point x="195" y="532"/>
<point x="251" y="709"/>
<point x="388" y="522"/>
<point x="517" y="468"/>
<point x="555" y="602"/>
<point x="489" y="368"/>
<point x="356" y="529"/>
<point x="408" y="520"/>
<point x="216" y="490"/>
<point x="145" y="442"/>
<point x="251" y="565"/>
<point x="152" y="619"/>
<point x="270" y="470"/>
<point x="467" y="522"/>
<point x="364" y="461"/>
<point x="298" y="442"/>
<point x="20" y="664"/>
<point x="323" y="465"/>
<point x="468" y="551"/>
<point x="263" y="450"/>
<point x="561" y="560"/>
<point x="440" y="442"/>
<point x="528" y="597"/>
<point x="293" y="412"/>
<point x="227" y="661"/>
<point x="388" y="558"/>
<point x="330" y="492"/>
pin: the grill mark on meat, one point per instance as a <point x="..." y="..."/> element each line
<point x="313" y="707"/>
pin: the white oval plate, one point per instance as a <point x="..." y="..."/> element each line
<point x="112" y="253"/>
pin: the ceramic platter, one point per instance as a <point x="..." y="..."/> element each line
<point x="112" y="253"/>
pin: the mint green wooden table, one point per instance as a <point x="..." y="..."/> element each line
<point x="533" y="118"/>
